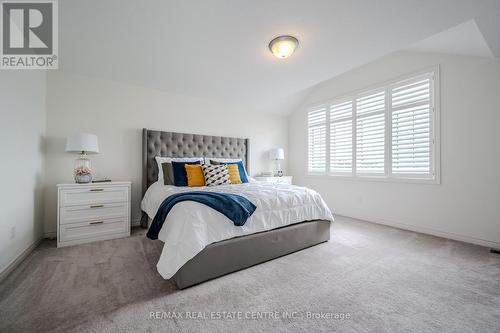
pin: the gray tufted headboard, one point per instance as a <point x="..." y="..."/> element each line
<point x="170" y="144"/>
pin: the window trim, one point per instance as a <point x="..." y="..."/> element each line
<point x="387" y="176"/>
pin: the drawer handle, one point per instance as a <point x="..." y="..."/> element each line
<point x="96" y="206"/>
<point x="96" y="190"/>
<point x="96" y="222"/>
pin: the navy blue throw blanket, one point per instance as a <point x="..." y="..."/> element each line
<point x="237" y="208"/>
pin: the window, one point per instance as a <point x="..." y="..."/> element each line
<point x="316" y="122"/>
<point x="411" y="127"/>
<point x="388" y="132"/>
<point x="370" y="133"/>
<point x="341" y="137"/>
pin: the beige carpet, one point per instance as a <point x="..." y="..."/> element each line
<point x="378" y="279"/>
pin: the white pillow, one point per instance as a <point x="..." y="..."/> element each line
<point x="160" y="160"/>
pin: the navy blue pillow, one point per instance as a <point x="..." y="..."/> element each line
<point x="241" y="169"/>
<point x="180" y="175"/>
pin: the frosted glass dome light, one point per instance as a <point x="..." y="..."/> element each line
<point x="283" y="46"/>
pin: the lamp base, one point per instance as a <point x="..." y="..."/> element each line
<point x="82" y="171"/>
<point x="83" y="179"/>
<point x="278" y="172"/>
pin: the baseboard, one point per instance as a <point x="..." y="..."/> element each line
<point x="50" y="235"/>
<point x="19" y="259"/>
<point x="428" y="231"/>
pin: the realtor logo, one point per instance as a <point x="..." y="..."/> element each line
<point x="29" y="35"/>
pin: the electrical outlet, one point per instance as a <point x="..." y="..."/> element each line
<point x="12" y="232"/>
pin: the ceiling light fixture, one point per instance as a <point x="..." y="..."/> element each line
<point x="283" y="46"/>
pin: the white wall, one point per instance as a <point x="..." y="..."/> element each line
<point x="465" y="205"/>
<point x="22" y="127"/>
<point x="117" y="113"/>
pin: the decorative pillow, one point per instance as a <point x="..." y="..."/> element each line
<point x="168" y="173"/>
<point x="241" y="169"/>
<point x="234" y="173"/>
<point x="180" y="176"/>
<point x="194" y="175"/>
<point x="216" y="175"/>
<point x="208" y="160"/>
<point x="160" y="160"/>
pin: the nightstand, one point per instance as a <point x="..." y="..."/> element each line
<point x="275" y="180"/>
<point x="92" y="212"/>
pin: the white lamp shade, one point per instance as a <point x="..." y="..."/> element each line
<point x="82" y="142"/>
<point x="277" y="154"/>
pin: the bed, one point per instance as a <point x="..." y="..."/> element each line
<point x="200" y="243"/>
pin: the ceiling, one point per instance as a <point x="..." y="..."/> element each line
<point x="463" y="39"/>
<point x="217" y="49"/>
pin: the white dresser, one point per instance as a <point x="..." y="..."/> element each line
<point x="92" y="212"/>
<point x="275" y="180"/>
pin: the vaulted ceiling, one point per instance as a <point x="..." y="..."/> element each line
<point x="463" y="39"/>
<point x="217" y="49"/>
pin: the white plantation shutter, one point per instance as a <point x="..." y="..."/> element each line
<point x="370" y="133"/>
<point x="389" y="132"/>
<point x="341" y="137"/>
<point x="316" y="124"/>
<point x="411" y="110"/>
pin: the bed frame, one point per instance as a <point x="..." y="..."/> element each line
<point x="233" y="254"/>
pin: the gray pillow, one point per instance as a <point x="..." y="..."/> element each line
<point x="168" y="173"/>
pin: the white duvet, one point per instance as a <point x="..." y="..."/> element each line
<point x="191" y="226"/>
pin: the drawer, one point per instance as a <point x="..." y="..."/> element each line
<point x="85" y="213"/>
<point x="95" y="195"/>
<point x="86" y="230"/>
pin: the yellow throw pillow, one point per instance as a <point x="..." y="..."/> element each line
<point x="234" y="173"/>
<point x="194" y="174"/>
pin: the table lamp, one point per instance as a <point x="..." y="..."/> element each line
<point x="277" y="155"/>
<point x="84" y="144"/>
